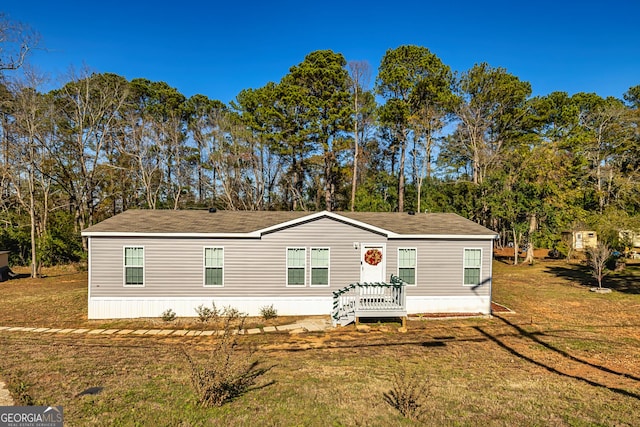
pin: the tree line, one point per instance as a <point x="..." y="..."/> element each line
<point x="418" y="137"/>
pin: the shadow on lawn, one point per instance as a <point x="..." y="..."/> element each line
<point x="383" y="343"/>
<point x="534" y="337"/>
<point x="626" y="281"/>
<point x="20" y="276"/>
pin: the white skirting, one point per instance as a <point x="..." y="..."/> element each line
<point x="469" y="304"/>
<point x="133" y="307"/>
<point x="122" y="308"/>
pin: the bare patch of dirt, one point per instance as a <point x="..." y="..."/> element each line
<point x="507" y="254"/>
<point x="495" y="308"/>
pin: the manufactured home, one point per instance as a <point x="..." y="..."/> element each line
<point x="143" y="262"/>
<point x="629" y="238"/>
<point x="580" y="240"/>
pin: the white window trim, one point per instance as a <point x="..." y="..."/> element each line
<point x="124" y="266"/>
<point x="204" y="267"/>
<point x="464" y="266"/>
<point x="328" y="267"/>
<point x="286" y="270"/>
<point x="415" y="274"/>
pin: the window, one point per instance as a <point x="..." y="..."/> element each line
<point x="213" y="266"/>
<point x="407" y="265"/>
<point x="319" y="266"/>
<point x="472" y="263"/>
<point x="296" y="261"/>
<point x="134" y="266"/>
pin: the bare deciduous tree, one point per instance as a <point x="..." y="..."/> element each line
<point x="16" y="41"/>
<point x="30" y="185"/>
<point x="597" y="258"/>
<point x="360" y="72"/>
<point x="88" y="109"/>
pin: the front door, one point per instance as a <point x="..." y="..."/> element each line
<point x="372" y="260"/>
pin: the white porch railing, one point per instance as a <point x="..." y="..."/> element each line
<point x="378" y="299"/>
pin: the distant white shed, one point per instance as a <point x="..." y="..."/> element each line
<point x="581" y="240"/>
<point x="630" y="237"/>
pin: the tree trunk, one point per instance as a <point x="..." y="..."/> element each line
<point x="427" y="161"/>
<point x="599" y="188"/>
<point x="403" y="144"/>
<point x="328" y="181"/>
<point x="32" y="218"/>
<point x="419" y="190"/>
<point x="354" y="178"/>
<point x="476" y="166"/>
<point x="533" y="225"/>
<point x="297" y="184"/>
<point x="199" y="170"/>
<point x="44" y="220"/>
<point x="516" y="246"/>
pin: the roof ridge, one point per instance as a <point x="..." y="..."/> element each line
<point x="227" y="223"/>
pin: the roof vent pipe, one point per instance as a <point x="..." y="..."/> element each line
<point x="212" y="210"/>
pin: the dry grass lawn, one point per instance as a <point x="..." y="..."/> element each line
<point x="565" y="357"/>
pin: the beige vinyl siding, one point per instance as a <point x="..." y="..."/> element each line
<point x="440" y="266"/>
<point x="257" y="267"/>
<point x="252" y="267"/>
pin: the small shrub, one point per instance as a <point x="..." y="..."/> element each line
<point x="554" y="253"/>
<point x="19" y="388"/>
<point x="21" y="391"/>
<point x="205" y="313"/>
<point x="268" y="312"/>
<point x="564" y="249"/>
<point x="228" y="372"/>
<point x="408" y="395"/>
<point x="233" y="313"/>
<point x="168" y="315"/>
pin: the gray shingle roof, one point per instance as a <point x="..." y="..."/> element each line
<point x="243" y="222"/>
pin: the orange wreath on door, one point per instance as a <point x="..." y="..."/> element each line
<point x="373" y="257"/>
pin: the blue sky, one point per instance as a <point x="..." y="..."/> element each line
<point x="219" y="48"/>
